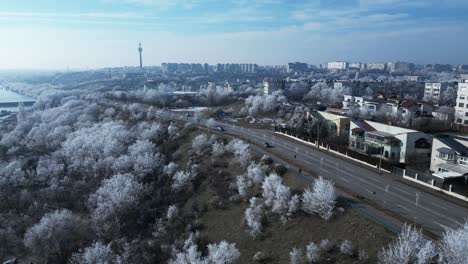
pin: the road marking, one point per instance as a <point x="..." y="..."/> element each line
<point x="344" y="179"/>
<point x="325" y="170"/>
<point x="371" y="184"/>
<point x="440" y="206"/>
<point x="437" y="223"/>
<point x="401" y="206"/>
<point x="374" y="179"/>
<point x="401" y="190"/>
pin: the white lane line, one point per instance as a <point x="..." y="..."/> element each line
<point x="325" y="170"/>
<point x="344" y="179"/>
<point x="437" y="223"/>
<point x="401" y="206"/>
<point x="401" y="190"/>
<point x="374" y="179"/>
<point x="440" y="206"/>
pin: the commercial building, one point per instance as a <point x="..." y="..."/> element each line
<point x="391" y="143"/>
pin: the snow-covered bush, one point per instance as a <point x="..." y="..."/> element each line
<point x="312" y="252"/>
<point x="406" y="248"/>
<point x="321" y="199"/>
<point x="326" y="245"/>
<point x="253" y="217"/>
<point x="200" y="142"/>
<point x="276" y="194"/>
<point x="346" y="247"/>
<point x="295" y="255"/>
<point x="454" y="246"/>
<point x="241" y="151"/>
<point x="181" y="179"/>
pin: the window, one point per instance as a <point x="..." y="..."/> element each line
<point x="386" y="154"/>
<point x="462" y="97"/>
<point x="466" y="113"/>
<point x="465" y="122"/>
<point x="459" y="120"/>
<point x="461" y="104"/>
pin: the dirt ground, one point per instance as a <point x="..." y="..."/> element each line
<point x="279" y="238"/>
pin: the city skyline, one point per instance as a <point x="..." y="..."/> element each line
<point x="104" y="33"/>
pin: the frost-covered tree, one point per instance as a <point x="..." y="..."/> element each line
<point x="217" y="149"/>
<point x="172" y="130"/>
<point x="276" y="194"/>
<point x="454" y="246"/>
<point x="182" y="179"/>
<point x="172" y="213"/>
<point x="241" y="151"/>
<point x="294" y="204"/>
<point x="253" y="217"/>
<point x="223" y="253"/>
<point x="56" y="236"/>
<point x="406" y="248"/>
<point x="200" y="142"/>
<point x="326" y="245"/>
<point x="321" y="199"/>
<point x="312" y="253"/>
<point x="114" y="197"/>
<point x="243" y="186"/>
<point x="346" y="247"/>
<point x="99" y="253"/>
<point x="264" y="104"/>
<point x="255" y="173"/>
<point x="295" y="255"/>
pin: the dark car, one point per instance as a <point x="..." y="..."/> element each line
<point x="268" y="145"/>
<point x="220" y="128"/>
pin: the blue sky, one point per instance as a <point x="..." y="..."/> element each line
<point x="51" y="34"/>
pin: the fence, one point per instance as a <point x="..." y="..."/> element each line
<point x="459" y="191"/>
<point x="447" y="187"/>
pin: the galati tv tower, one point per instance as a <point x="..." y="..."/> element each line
<point x="140" y="50"/>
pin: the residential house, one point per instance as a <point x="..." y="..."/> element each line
<point x="449" y="159"/>
<point x="393" y="144"/>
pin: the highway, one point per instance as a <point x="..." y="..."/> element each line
<point x="412" y="205"/>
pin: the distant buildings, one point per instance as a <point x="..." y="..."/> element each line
<point x="337" y="65"/>
<point x="205" y="68"/>
<point x="376" y="66"/>
<point x="270" y="86"/>
<point x="298" y="67"/>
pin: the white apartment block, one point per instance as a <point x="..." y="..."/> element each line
<point x="337" y="65"/>
<point x="271" y="86"/>
<point x="376" y="66"/>
<point x="432" y="91"/>
<point x="349" y="101"/>
<point x="461" y="107"/>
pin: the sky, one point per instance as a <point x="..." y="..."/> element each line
<point x="85" y="34"/>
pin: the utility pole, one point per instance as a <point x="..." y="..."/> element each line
<point x="380" y="160"/>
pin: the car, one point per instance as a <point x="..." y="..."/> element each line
<point x="268" y="145"/>
<point x="220" y="128"/>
